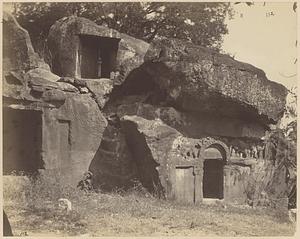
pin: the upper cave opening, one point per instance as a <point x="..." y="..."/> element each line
<point x="97" y="56"/>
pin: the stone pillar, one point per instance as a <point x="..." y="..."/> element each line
<point x="226" y="183"/>
<point x="77" y="73"/>
<point x="99" y="64"/>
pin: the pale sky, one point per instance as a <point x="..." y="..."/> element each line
<point x="265" y="40"/>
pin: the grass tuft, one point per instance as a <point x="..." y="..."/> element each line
<point x="32" y="208"/>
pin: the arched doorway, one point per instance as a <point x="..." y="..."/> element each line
<point x="213" y="173"/>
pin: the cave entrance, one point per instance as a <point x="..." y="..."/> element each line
<point x="22" y="141"/>
<point x="97" y="56"/>
<point x="213" y="175"/>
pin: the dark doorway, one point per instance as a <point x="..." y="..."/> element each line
<point x="97" y="56"/>
<point x="22" y="141"/>
<point x="213" y="177"/>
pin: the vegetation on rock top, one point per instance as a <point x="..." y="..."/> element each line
<point x="200" y="23"/>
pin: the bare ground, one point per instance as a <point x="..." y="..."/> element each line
<point x="34" y="211"/>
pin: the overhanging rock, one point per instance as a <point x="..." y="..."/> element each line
<point x="193" y="125"/>
<point x="199" y="79"/>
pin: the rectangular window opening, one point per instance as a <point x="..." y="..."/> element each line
<point x="97" y="56"/>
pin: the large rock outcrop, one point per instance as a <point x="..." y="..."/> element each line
<point x="177" y="106"/>
<point x="112" y="165"/>
<point x="198" y="79"/>
<point x="150" y="142"/>
<point x="64" y="41"/>
<point x="47" y="118"/>
<point x="18" y="52"/>
<point x="19" y="60"/>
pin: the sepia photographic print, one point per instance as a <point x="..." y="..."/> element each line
<point x="149" y="118"/>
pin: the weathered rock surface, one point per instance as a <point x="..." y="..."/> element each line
<point x="158" y="135"/>
<point x="193" y="125"/>
<point x="53" y="95"/>
<point x="101" y="88"/>
<point x="42" y="73"/>
<point x="14" y="85"/>
<point x="24" y="71"/>
<point x="81" y="119"/>
<point x="33" y="94"/>
<point x="64" y="43"/>
<point x="198" y="79"/>
<point x="113" y="165"/>
<point x="40" y="83"/>
<point x="67" y="87"/>
<point x="150" y="142"/>
<point x="18" y="53"/>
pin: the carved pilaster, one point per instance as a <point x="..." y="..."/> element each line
<point x="198" y="171"/>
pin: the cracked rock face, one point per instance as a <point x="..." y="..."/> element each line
<point x="18" y="52"/>
<point x="198" y="79"/>
<point x="30" y="87"/>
